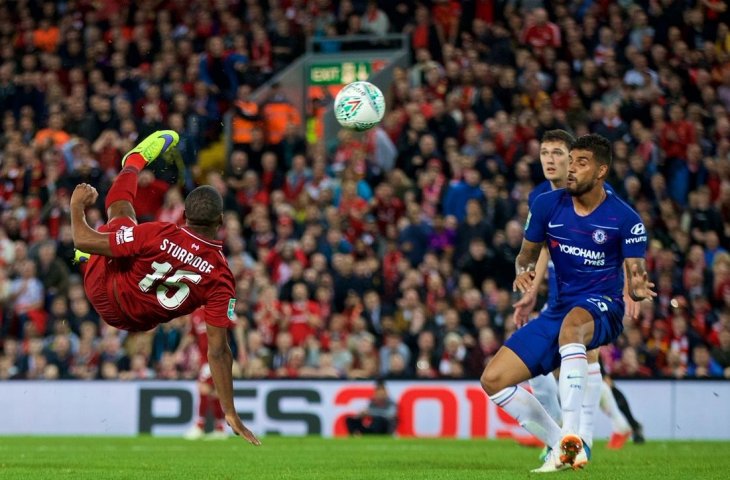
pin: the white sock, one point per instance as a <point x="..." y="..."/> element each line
<point x="572" y="384"/>
<point x="528" y="412"/>
<point x="610" y="408"/>
<point x="545" y="389"/>
<point x="590" y="403"/>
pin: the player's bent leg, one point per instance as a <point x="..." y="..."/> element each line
<point x="578" y="327"/>
<point x="575" y="333"/>
<point x="501" y="379"/>
<point x="504" y="370"/>
<point x="152" y="147"/>
<point x="121" y="209"/>
<point x="589" y="407"/>
<point x="80" y="257"/>
<point x="124" y="188"/>
<point x="545" y="389"/>
<point x="552" y="463"/>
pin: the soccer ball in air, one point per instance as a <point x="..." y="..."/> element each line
<point x="359" y="106"/>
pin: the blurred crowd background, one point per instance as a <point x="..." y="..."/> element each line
<point x="390" y="254"/>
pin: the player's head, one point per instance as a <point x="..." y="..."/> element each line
<point x="555" y="147"/>
<point x="204" y="208"/>
<point x="590" y="161"/>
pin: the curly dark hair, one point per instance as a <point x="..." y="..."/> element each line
<point x="599" y="146"/>
<point x="203" y="206"/>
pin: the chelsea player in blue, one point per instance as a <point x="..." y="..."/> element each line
<point x="555" y="146"/>
<point x="554" y="151"/>
<point x="591" y="235"/>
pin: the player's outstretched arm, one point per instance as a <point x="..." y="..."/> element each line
<point x="640" y="288"/>
<point x="632" y="308"/>
<point x="220" y="360"/>
<point x="86" y="238"/>
<point x="525" y="305"/>
<point x="525" y="265"/>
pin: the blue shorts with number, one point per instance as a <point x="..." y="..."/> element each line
<point x="537" y="342"/>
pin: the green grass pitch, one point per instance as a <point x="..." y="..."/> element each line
<point x="337" y="459"/>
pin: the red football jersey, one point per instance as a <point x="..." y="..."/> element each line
<point x="167" y="271"/>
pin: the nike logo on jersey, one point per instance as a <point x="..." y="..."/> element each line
<point x="555" y="225"/>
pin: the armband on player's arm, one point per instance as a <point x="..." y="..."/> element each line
<point x="86" y="238"/>
<point x="639" y="286"/>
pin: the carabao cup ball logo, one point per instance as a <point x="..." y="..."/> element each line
<point x="359" y="106"/>
<point x="348" y="107"/>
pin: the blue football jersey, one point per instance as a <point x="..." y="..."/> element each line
<point x="587" y="252"/>
<point x="545" y="187"/>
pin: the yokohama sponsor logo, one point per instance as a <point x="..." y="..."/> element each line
<point x="581" y="252"/>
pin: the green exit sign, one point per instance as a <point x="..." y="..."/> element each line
<point x="339" y="73"/>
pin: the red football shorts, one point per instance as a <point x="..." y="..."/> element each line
<point x="98" y="281"/>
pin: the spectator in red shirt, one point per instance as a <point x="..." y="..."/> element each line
<point x="299" y="175"/>
<point x="541" y="33"/>
<point x="675" y="136"/>
<point x="630" y="366"/>
<point x="150" y="196"/>
<point x="301" y="315"/>
<point x="563" y="94"/>
<point x="172" y="208"/>
<point x="267" y="315"/>
<point x="152" y="97"/>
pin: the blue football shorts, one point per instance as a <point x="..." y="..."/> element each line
<point x="537" y="342"/>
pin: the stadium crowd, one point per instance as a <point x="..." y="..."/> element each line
<point x="392" y="253"/>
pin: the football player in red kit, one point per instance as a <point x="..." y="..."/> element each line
<point x="138" y="276"/>
<point x="207" y="396"/>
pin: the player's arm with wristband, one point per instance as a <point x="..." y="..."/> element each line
<point x="633" y="248"/>
<point x="525" y="265"/>
<point x="86" y="238"/>
<point x="525" y="305"/>
<point x="526" y="262"/>
<point x="639" y="286"/>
